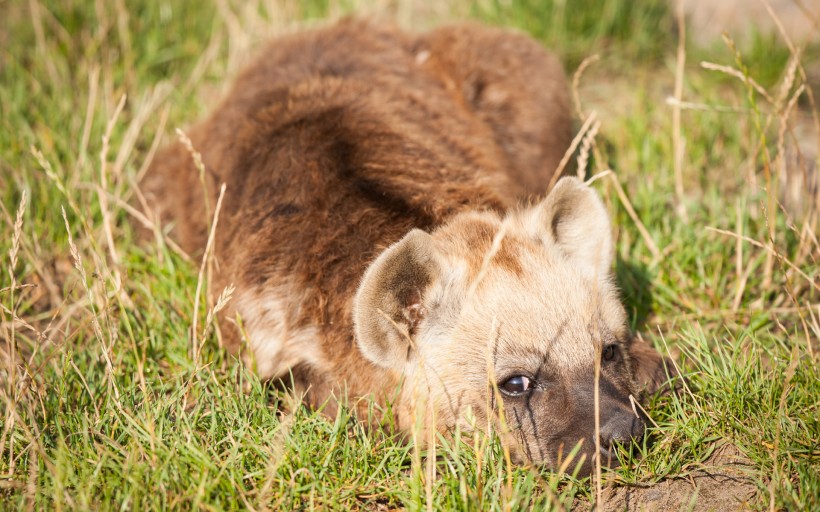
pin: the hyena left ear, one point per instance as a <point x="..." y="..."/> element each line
<point x="573" y="219"/>
<point x="388" y="305"/>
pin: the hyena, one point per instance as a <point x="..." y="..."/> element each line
<point x="383" y="228"/>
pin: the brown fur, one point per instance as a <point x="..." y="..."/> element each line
<point x="334" y="145"/>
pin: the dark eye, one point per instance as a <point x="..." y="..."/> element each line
<point x="610" y="352"/>
<point x="515" y="386"/>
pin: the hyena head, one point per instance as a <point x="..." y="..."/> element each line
<point x="513" y="314"/>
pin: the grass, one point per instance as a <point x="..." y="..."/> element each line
<point x="104" y="407"/>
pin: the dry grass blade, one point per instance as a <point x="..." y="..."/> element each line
<point x="762" y="149"/>
<point x="739" y="75"/>
<point x="637" y="405"/>
<point x="15" y="243"/>
<point x="103" y="200"/>
<point x="571" y="149"/>
<point x="647" y="238"/>
<point x="741" y="283"/>
<point x="18" y="287"/>
<point x="31" y="486"/>
<point x="151" y="225"/>
<point x="10" y="392"/>
<point x="769" y="249"/>
<point x="200" y="167"/>
<point x="576" y="82"/>
<point x="779" y="24"/>
<point x="149" y="157"/>
<point x="789" y="80"/>
<point x="603" y="174"/>
<point x="93" y="86"/>
<point x="238" y="38"/>
<point x="586" y="147"/>
<point x="678" y="143"/>
<point x="78" y="264"/>
<point x="689" y="105"/>
<point x="776" y="458"/>
<point x="149" y="103"/>
<point x="16" y="320"/>
<point x="201" y="276"/>
<point x="36" y="9"/>
<point x="221" y="302"/>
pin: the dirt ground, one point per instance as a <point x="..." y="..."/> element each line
<point x="708" y="19"/>
<point x="723" y="485"/>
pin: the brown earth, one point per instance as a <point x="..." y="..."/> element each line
<point x="723" y="484"/>
<point x="708" y="19"/>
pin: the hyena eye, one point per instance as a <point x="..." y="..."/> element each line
<point x="610" y="352"/>
<point x="515" y="386"/>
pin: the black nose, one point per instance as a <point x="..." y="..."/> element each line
<point x="622" y="428"/>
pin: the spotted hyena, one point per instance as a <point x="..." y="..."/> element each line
<point x="384" y="226"/>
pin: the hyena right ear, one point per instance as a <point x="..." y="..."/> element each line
<point x="388" y="305"/>
<point x="573" y="219"/>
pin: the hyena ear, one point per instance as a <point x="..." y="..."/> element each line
<point x="388" y="305"/>
<point x="573" y="219"/>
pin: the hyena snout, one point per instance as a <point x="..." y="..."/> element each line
<point x="621" y="429"/>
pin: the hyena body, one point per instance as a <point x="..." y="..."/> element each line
<point x="380" y="225"/>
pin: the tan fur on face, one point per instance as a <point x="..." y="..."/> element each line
<point x="372" y="230"/>
<point x="512" y="297"/>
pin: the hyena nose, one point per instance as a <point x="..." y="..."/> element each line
<point x="621" y="429"/>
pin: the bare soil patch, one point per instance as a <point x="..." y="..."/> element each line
<point x="724" y="484"/>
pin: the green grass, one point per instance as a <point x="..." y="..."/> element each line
<point x="105" y="409"/>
